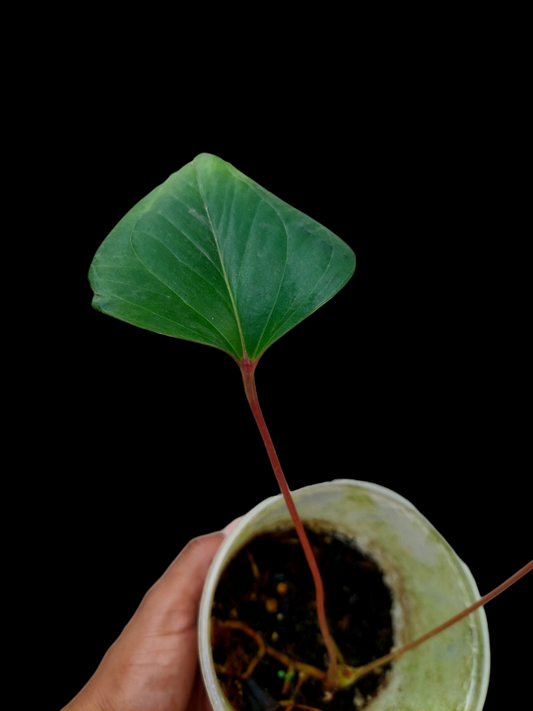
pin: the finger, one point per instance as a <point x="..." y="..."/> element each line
<point x="155" y="657"/>
<point x="156" y="654"/>
<point x="181" y="584"/>
<point x="167" y="616"/>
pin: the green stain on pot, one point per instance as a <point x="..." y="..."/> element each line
<point x="362" y="500"/>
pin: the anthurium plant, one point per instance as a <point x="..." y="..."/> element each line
<point x="212" y="257"/>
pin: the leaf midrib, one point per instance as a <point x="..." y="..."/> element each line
<point x="224" y="273"/>
<point x="264" y="199"/>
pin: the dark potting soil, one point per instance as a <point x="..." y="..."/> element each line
<point x="266" y="598"/>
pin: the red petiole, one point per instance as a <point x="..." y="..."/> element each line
<point x="247" y="369"/>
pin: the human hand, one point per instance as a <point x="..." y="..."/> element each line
<point x="153" y="665"/>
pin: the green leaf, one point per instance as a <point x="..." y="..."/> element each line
<point x="210" y="256"/>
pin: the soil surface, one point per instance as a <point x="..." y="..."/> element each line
<point x="264" y="621"/>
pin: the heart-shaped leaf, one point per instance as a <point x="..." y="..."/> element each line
<point x="210" y="256"/>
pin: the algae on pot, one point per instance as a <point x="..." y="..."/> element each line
<point x="212" y="257"/>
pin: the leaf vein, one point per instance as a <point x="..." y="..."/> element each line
<point x="206" y="255"/>
<point x="165" y="318"/>
<point x="212" y="326"/>
<point x="290" y="311"/>
<point x="186" y="266"/>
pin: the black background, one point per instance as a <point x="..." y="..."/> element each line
<point x="413" y="376"/>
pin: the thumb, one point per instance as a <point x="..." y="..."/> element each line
<point x="167" y="617"/>
<point x="178" y="590"/>
<point x="153" y="663"/>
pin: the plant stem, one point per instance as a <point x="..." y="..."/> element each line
<point x="247" y="369"/>
<point x="364" y="670"/>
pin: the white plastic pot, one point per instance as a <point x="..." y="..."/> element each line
<point x="428" y="581"/>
